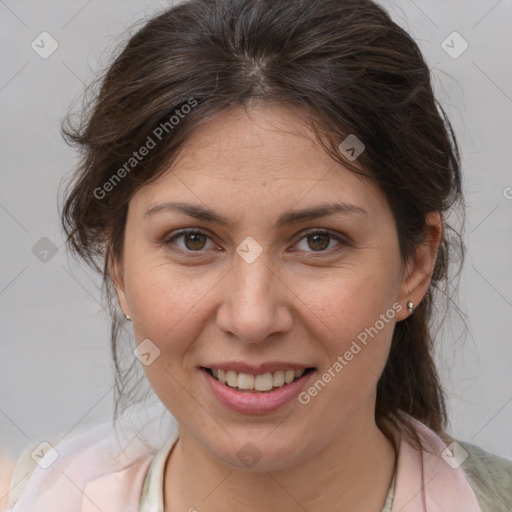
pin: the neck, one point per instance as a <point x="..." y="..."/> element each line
<point x="352" y="473"/>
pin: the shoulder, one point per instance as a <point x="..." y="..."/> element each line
<point x="23" y="469"/>
<point x="490" y="477"/>
<point x="95" y="458"/>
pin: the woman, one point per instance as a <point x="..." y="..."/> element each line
<point x="265" y="186"/>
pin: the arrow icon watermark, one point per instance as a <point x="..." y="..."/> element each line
<point x="351" y="147"/>
<point x="146" y="352"/>
<point x="249" y="455"/>
<point x="249" y="249"/>
<point x="44" y="250"/>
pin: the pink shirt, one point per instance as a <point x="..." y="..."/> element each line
<point x="93" y="473"/>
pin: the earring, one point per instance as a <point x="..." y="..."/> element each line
<point x="128" y="317"/>
<point x="410" y="307"/>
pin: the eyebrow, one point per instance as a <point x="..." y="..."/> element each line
<point x="291" y="217"/>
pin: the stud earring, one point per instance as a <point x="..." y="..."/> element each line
<point x="410" y="307"/>
<point x="128" y="317"/>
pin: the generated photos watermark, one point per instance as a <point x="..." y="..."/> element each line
<point x="343" y="360"/>
<point x="152" y="140"/>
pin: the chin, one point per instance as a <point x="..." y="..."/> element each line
<point x="258" y="453"/>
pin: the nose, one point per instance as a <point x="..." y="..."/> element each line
<point x="256" y="302"/>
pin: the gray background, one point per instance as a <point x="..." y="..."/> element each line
<point x="55" y="366"/>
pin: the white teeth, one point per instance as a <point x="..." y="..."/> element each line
<point x="279" y="379"/>
<point x="232" y="378"/>
<point x="245" y="381"/>
<point x="299" y="373"/>
<point x="289" y="375"/>
<point x="263" y="382"/>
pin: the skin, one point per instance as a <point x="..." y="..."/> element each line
<point x="301" y="301"/>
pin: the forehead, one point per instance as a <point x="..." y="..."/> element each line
<point x="267" y="154"/>
<point x="264" y="142"/>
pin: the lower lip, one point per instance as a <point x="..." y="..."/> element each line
<point x="255" y="403"/>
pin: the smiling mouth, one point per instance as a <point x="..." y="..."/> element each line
<point x="262" y="383"/>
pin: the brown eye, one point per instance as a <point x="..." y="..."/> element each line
<point x="321" y="242"/>
<point x="318" y="242"/>
<point x="194" y="241"/>
<point x="191" y="241"/>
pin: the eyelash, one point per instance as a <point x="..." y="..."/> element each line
<point x="341" y="240"/>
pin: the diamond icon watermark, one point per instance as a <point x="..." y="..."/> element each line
<point x="351" y="147"/>
<point x="44" y="455"/>
<point x="44" y="45"/>
<point x="249" y="455"/>
<point x="454" y="45"/>
<point x="454" y="455"/>
<point x="44" y="250"/>
<point x="146" y="352"/>
<point x="249" y="249"/>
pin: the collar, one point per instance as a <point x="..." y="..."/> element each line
<point x="85" y="478"/>
<point x="423" y="481"/>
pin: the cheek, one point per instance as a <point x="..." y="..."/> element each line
<point x="169" y="305"/>
<point x="349" y="299"/>
<point x="356" y="324"/>
<point x="355" y="349"/>
<point x="169" y="309"/>
<point x="351" y="315"/>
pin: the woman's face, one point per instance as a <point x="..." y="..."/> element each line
<point x="270" y="290"/>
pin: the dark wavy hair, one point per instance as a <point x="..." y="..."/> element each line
<point x="345" y="67"/>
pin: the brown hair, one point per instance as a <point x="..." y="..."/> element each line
<point x="342" y="64"/>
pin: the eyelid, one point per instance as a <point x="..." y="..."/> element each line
<point x="329" y="232"/>
<point x="168" y="240"/>
<point x="343" y="240"/>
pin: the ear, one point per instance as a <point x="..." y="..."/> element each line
<point x="117" y="273"/>
<point x="418" y="274"/>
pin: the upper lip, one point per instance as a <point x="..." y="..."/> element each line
<point x="259" y="369"/>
